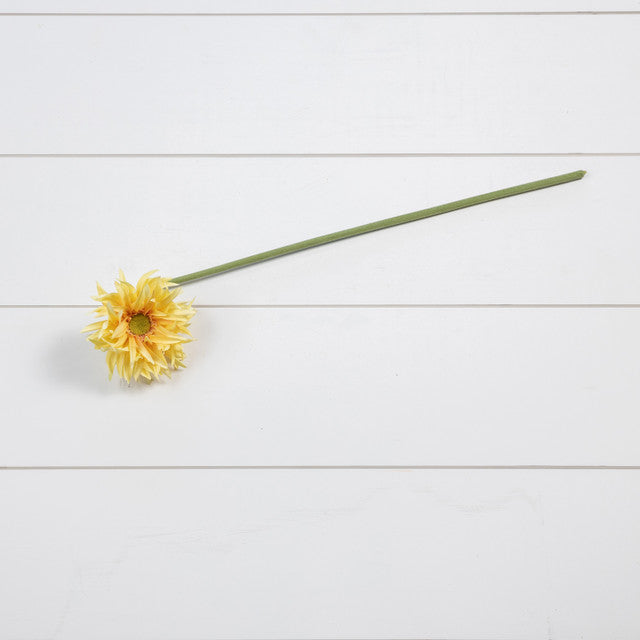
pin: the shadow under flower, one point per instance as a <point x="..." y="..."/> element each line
<point x="71" y="361"/>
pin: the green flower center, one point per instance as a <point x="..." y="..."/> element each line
<point x="139" y="324"/>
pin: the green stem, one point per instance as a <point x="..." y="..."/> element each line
<point x="380" y="224"/>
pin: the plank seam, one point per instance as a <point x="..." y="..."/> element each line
<point x="567" y="154"/>
<point x="355" y="306"/>
<point x="322" y="468"/>
<point x="316" y="14"/>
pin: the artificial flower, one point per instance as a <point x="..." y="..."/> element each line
<point x="143" y="328"/>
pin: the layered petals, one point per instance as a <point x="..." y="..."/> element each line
<point x="129" y="352"/>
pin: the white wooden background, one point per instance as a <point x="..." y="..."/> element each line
<point x="430" y="432"/>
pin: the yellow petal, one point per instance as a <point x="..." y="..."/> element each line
<point x="161" y="349"/>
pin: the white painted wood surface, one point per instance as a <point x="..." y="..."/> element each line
<point x="335" y="387"/>
<point x="502" y="336"/>
<point x="573" y="244"/>
<point x="315" y="6"/>
<point x="310" y="554"/>
<point x="320" y="84"/>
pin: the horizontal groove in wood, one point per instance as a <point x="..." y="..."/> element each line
<point x="314" y="14"/>
<point x="352" y="306"/>
<point x="427" y="467"/>
<point x="568" y="154"/>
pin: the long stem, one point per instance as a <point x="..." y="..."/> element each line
<point x="380" y="224"/>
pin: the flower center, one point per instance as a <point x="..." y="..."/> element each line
<point x="139" y="324"/>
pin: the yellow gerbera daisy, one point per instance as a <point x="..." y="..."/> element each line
<point x="144" y="327"/>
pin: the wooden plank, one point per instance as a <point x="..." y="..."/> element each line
<point x="320" y="554"/>
<point x="334" y="387"/>
<point x="309" y="85"/>
<point x="313" y="6"/>
<point x="75" y="221"/>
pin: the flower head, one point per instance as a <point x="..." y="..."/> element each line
<point x="143" y="328"/>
